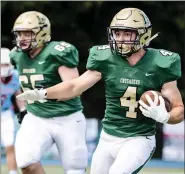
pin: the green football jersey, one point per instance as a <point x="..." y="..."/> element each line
<point x="42" y="71"/>
<point x="124" y="85"/>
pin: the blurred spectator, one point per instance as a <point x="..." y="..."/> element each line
<point x="9" y="87"/>
<point x="173" y="148"/>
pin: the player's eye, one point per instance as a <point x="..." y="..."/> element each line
<point x="117" y="33"/>
<point x="127" y="34"/>
<point x="27" y="34"/>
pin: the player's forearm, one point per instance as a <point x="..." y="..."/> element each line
<point x="63" y="91"/>
<point x="176" y="115"/>
<point x="72" y="88"/>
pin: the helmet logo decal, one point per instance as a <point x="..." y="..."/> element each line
<point x="41" y="20"/>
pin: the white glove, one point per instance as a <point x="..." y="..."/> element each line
<point x="33" y="95"/>
<point x="158" y="113"/>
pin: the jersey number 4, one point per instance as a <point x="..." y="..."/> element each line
<point x="129" y="100"/>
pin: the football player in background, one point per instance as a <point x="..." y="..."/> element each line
<point x="129" y="68"/>
<point x="43" y="63"/>
<point x="9" y="86"/>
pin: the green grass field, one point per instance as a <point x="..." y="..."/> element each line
<point x="59" y="170"/>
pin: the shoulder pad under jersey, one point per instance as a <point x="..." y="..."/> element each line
<point x="97" y="55"/>
<point x="65" y="53"/>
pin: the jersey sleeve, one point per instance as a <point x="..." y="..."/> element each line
<point x="66" y="55"/>
<point x="92" y="62"/>
<point x="173" y="70"/>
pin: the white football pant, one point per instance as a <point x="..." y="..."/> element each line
<point x="36" y="135"/>
<point x="115" y="155"/>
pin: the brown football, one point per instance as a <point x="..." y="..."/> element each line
<point x="151" y="94"/>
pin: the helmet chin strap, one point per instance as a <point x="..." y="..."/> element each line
<point x="149" y="40"/>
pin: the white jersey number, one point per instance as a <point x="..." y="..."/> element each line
<point x="103" y="47"/>
<point x="33" y="79"/>
<point x="62" y="46"/>
<point x="165" y="53"/>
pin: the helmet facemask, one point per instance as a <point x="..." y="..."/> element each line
<point x="122" y="47"/>
<point x="20" y="43"/>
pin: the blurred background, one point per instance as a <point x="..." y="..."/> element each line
<point x="84" y="24"/>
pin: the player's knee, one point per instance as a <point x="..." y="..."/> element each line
<point x="76" y="172"/>
<point x="77" y="166"/>
<point x="78" y="160"/>
<point x="25" y="155"/>
<point x="24" y="158"/>
<point x="24" y="163"/>
<point x="116" y="170"/>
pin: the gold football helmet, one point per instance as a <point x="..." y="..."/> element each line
<point x="130" y="19"/>
<point x="35" y="22"/>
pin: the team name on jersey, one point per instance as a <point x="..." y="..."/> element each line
<point x="130" y="81"/>
<point x="29" y="70"/>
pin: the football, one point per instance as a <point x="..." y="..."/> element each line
<point x="151" y="94"/>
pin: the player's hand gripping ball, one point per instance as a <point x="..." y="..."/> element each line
<point x="154" y="105"/>
<point x="152" y="96"/>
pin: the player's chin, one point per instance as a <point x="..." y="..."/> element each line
<point x="24" y="47"/>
